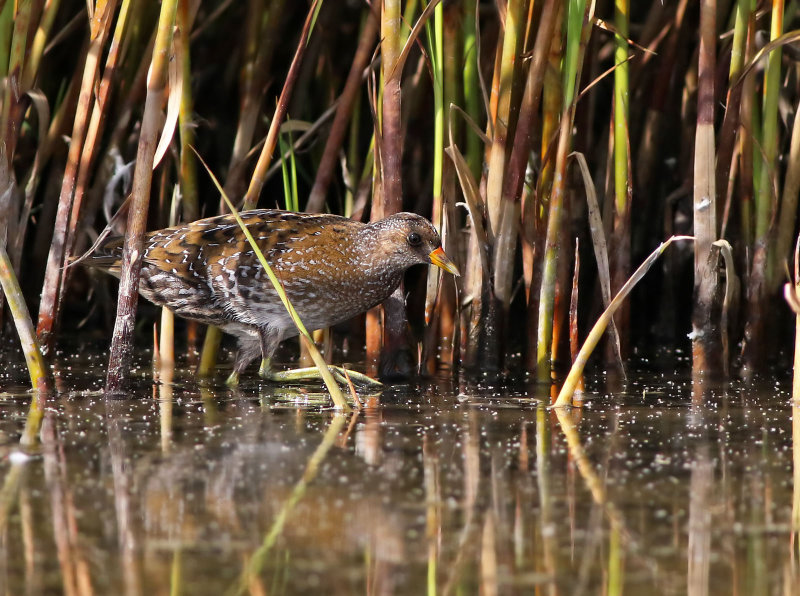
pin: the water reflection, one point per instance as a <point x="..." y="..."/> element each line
<point x="203" y="490"/>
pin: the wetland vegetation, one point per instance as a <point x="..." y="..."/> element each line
<point x="557" y="146"/>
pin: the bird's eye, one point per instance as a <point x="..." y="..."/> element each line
<point x="414" y="239"/>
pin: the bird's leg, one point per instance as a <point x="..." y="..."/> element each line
<point x="269" y="340"/>
<point x="265" y="368"/>
<point x="248" y="351"/>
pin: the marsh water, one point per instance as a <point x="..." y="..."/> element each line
<point x="433" y="487"/>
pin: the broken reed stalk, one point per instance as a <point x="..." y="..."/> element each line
<point x="37" y="369"/>
<point x="576" y="372"/>
<point x="50" y="305"/>
<point x="705" y="338"/>
<point x="308" y="342"/>
<point x="122" y="340"/>
<point x="573" y="311"/>
<point x="213" y="337"/>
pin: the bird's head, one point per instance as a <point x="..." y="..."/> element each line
<point x="410" y="239"/>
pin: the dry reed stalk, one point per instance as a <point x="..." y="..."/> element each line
<point x="529" y="108"/>
<point x="573" y="311"/>
<point x="390" y="198"/>
<point x="706" y="338"/>
<point x="122" y="340"/>
<point x="49" y="307"/>
<point x="91" y="144"/>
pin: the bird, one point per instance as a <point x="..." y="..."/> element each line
<point x="332" y="268"/>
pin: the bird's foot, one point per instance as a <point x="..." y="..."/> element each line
<point x="312" y="374"/>
<point x="233" y="379"/>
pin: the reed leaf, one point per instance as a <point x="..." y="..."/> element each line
<point x="568" y="388"/>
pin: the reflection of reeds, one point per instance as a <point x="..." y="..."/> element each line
<point x="121" y="344"/>
<point x="72" y="560"/>
<point x="258" y="559"/>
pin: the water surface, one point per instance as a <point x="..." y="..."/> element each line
<point x="431" y="488"/>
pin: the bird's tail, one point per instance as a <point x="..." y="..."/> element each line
<point x="105" y="254"/>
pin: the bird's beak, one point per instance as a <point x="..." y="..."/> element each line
<point x="440" y="259"/>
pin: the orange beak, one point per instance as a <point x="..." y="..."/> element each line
<point x="440" y="259"/>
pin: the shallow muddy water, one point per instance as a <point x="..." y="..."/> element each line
<point x="431" y="488"/>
